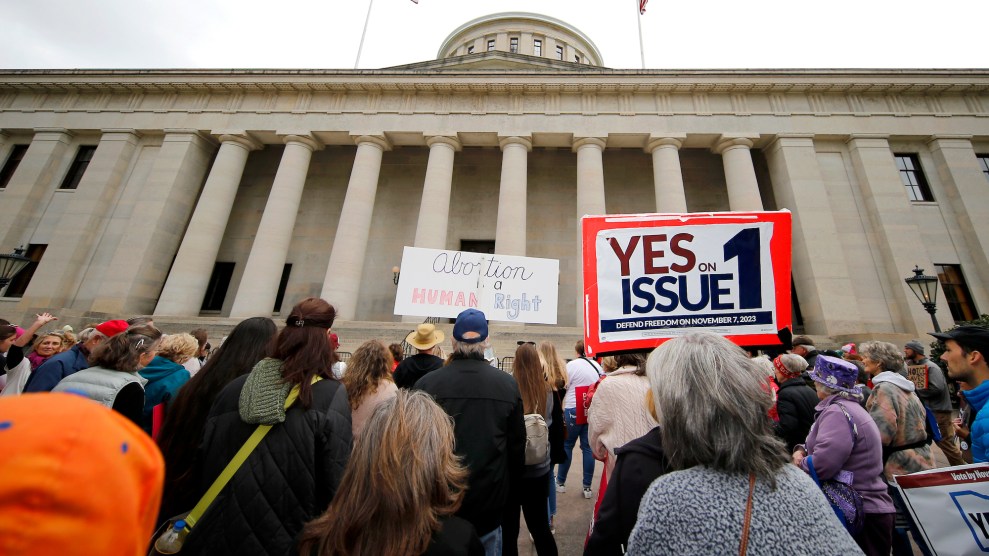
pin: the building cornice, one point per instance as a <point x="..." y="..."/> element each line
<point x="588" y="80"/>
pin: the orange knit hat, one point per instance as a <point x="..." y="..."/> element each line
<point x="75" y="478"/>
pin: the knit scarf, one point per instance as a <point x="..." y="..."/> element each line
<point x="262" y="400"/>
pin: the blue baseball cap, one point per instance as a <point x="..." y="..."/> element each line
<point x="471" y="327"/>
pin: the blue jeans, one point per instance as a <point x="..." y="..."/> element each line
<point x="492" y="543"/>
<point x="575" y="431"/>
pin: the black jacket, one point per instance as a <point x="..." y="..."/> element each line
<point x="490" y="433"/>
<point x="411" y="369"/>
<point x="557" y="430"/>
<point x="795" y="404"/>
<point x="289" y="479"/>
<point x="637" y="465"/>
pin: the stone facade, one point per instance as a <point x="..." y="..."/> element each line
<point x="335" y="171"/>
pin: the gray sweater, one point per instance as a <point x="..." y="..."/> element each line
<point x="701" y="511"/>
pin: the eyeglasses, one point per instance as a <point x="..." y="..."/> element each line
<point x="523" y="342"/>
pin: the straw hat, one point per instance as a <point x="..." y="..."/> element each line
<point x="425" y="336"/>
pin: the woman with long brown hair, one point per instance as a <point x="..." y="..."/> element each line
<point x="185" y="420"/>
<point x="533" y="490"/>
<point x="368" y="381"/>
<point x="292" y="475"/>
<point x="400" y="490"/>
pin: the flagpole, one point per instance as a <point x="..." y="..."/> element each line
<point x="642" y="51"/>
<point x="368" y="18"/>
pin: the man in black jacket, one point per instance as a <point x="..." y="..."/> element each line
<point x="424" y="338"/>
<point x="795" y="401"/>
<point x="488" y="425"/>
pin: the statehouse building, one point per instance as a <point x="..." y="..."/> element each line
<point x="223" y="194"/>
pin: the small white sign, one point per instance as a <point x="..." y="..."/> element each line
<point x="439" y="283"/>
<point x="950" y="506"/>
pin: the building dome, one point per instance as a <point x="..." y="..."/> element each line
<point x="522" y="33"/>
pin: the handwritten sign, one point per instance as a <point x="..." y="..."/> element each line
<point x="950" y="507"/>
<point x="438" y="283"/>
<point x="651" y="277"/>
<point x="917" y="374"/>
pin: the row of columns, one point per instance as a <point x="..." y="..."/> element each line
<point x="186" y="284"/>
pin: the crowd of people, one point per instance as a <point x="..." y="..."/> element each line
<point x="271" y="445"/>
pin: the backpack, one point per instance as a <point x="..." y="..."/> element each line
<point x="536" y="439"/>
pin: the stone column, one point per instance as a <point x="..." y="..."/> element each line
<point x="590" y="201"/>
<point x="968" y="197"/>
<point x="259" y="283"/>
<point x="434" y="210"/>
<point x="31" y="185"/>
<point x="667" y="177"/>
<point x="342" y="284"/>
<point x="820" y="271"/>
<point x="895" y="232"/>
<point x="510" y="236"/>
<point x="73" y="242"/>
<point x="158" y="210"/>
<point x="189" y="277"/>
<point x="743" y="189"/>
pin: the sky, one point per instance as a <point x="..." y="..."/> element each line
<point x="311" y="34"/>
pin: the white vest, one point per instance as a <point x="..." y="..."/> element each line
<point x="99" y="384"/>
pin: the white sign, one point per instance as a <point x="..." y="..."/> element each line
<point x="438" y="283"/>
<point x="950" y="506"/>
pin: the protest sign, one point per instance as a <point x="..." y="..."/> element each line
<point x="439" y="283"/>
<point x="950" y="506"/>
<point x="651" y="277"/>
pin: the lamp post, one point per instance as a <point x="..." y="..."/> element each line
<point x="10" y="265"/>
<point x="925" y="288"/>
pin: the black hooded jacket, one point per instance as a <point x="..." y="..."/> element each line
<point x="412" y="368"/>
<point x="289" y="479"/>
<point x="637" y="465"/>
<point x="795" y="403"/>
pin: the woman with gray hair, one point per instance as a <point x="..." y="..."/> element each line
<point x="899" y="413"/>
<point x="844" y="445"/>
<point x="729" y="468"/>
<point x="902" y="421"/>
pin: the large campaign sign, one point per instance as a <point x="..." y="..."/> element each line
<point x="652" y="277"/>
<point x="950" y="506"/>
<point x="440" y="283"/>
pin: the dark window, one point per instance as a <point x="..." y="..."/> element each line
<point x="513" y="45"/>
<point x="470" y="49"/>
<point x="477" y="245"/>
<point x="78" y="168"/>
<point x="913" y="178"/>
<point x="282" y="284"/>
<point x="559" y="53"/>
<point x="983" y="163"/>
<point x="20" y="282"/>
<point x="956" y="292"/>
<point x="216" y="290"/>
<point x="13" y="160"/>
<point x="537" y="47"/>
<point x="490" y="46"/>
<point x="798" y="316"/>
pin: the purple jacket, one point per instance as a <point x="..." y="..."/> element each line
<point x="830" y="442"/>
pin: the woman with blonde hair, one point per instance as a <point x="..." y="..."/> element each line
<point x="400" y="488"/>
<point x="533" y="488"/>
<point x="368" y="381"/>
<point x="166" y="374"/>
<point x="556" y="375"/>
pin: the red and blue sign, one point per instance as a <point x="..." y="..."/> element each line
<point x="652" y="277"/>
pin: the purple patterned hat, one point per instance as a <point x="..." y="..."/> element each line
<point x="836" y="373"/>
